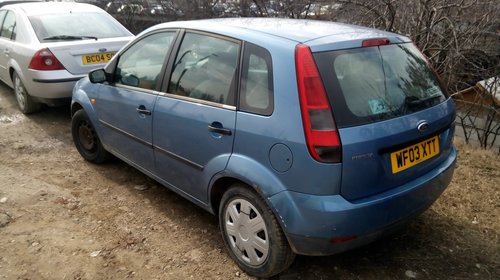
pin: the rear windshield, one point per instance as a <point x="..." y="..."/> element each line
<point x="60" y="27"/>
<point x="377" y="83"/>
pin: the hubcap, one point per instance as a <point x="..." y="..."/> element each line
<point x="246" y="232"/>
<point x="86" y="136"/>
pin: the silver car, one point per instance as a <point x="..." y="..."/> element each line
<point x="47" y="47"/>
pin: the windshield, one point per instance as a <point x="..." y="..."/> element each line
<point x="76" y="26"/>
<point x="377" y="83"/>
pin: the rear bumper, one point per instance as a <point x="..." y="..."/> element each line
<point x="325" y="225"/>
<point x="50" y="85"/>
<point x="46" y="89"/>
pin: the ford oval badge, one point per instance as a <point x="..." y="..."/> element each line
<point x="422" y="126"/>
<point x="102" y="50"/>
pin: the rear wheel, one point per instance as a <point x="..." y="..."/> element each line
<point x="25" y="102"/>
<point x="85" y="138"/>
<point x="252" y="234"/>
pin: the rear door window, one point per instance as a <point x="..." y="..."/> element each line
<point x="377" y="83"/>
<point x="9" y="26"/>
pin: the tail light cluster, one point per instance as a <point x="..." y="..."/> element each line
<point x="323" y="141"/>
<point x="44" y="60"/>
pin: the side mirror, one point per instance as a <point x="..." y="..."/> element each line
<point x="97" y="76"/>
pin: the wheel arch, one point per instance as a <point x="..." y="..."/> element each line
<point x="15" y="68"/>
<point x="81" y="101"/>
<point x="250" y="173"/>
<point x="219" y="187"/>
<point x="75" y="106"/>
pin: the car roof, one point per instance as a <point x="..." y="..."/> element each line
<point x="292" y="29"/>
<point x="40" y="8"/>
<point x="9" y="2"/>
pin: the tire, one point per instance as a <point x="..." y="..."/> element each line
<point x="24" y="100"/>
<point x="86" y="140"/>
<point x="265" y="250"/>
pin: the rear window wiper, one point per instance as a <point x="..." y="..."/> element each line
<point x="413" y="101"/>
<point x="68" y="38"/>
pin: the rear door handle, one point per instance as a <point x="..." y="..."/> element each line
<point x="220" y="130"/>
<point x="142" y="110"/>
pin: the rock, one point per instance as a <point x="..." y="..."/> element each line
<point x="411" y="274"/>
<point x="237" y="274"/>
<point x="95" y="253"/>
<point x="3" y="200"/>
<point x="72" y="206"/>
<point x="141" y="187"/>
<point x="4" y="219"/>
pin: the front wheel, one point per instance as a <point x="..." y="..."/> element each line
<point x="85" y="138"/>
<point x="25" y="102"/>
<point x="252" y="234"/>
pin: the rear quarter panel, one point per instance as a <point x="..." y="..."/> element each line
<point x="256" y="134"/>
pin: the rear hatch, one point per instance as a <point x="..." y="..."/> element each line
<point x="394" y="119"/>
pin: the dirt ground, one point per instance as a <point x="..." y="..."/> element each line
<point x="63" y="218"/>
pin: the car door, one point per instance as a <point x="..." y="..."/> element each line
<point x="125" y="107"/>
<point x="7" y="34"/>
<point x="195" y="117"/>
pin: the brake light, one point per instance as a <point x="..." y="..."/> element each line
<point x="375" y="42"/>
<point x="44" y="60"/>
<point x="322" y="138"/>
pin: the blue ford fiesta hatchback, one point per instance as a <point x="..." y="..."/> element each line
<point x="304" y="137"/>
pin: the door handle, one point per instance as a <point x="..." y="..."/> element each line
<point x="220" y="130"/>
<point x="142" y="110"/>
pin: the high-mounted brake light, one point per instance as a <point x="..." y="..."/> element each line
<point x="323" y="141"/>
<point x="44" y="60"/>
<point x="375" y="42"/>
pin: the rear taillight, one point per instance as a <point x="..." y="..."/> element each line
<point x="43" y="60"/>
<point x="320" y="130"/>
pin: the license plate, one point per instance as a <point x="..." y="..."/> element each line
<point x="96" y="58"/>
<point x="414" y="154"/>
